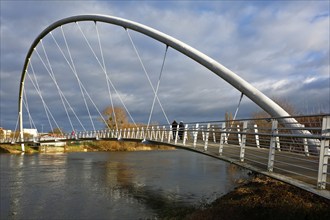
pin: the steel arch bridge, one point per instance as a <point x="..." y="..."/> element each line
<point x="278" y="114"/>
<point x="240" y="84"/>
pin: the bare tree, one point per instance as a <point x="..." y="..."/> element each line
<point x="115" y="116"/>
<point x="56" y="131"/>
<point x="288" y="107"/>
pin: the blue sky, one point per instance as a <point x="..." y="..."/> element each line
<point x="280" y="47"/>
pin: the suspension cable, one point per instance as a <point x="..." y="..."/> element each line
<point x="106" y="75"/>
<point x="105" y="72"/>
<point x="47" y="110"/>
<point x="158" y="83"/>
<point x="73" y="68"/>
<point x="239" y="103"/>
<point x="44" y="104"/>
<point x="26" y="104"/>
<point x="146" y="73"/>
<point x="52" y="76"/>
<point x="83" y="88"/>
<point x="37" y="88"/>
<point x="63" y="98"/>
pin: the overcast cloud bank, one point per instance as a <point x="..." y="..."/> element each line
<point x="281" y="48"/>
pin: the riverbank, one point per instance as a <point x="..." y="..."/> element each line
<point x="264" y="198"/>
<point x="85" y="147"/>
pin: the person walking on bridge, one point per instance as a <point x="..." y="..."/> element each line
<point x="181" y="130"/>
<point x="174" y="128"/>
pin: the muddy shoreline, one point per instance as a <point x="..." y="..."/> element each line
<point x="265" y="198"/>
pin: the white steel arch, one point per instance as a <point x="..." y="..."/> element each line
<point x="236" y="81"/>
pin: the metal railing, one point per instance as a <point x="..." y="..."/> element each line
<point x="296" y="147"/>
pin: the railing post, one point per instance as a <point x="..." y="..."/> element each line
<point x="128" y="132"/>
<point x="324" y="153"/>
<point x="243" y="142"/>
<point x="239" y="135"/>
<point x="142" y="133"/>
<point x="148" y="133"/>
<point x="195" y="134"/>
<point x="185" y="136"/>
<point x="271" y="156"/>
<point x="162" y="134"/>
<point x="152" y="133"/>
<point x="120" y="133"/>
<point x="157" y="133"/>
<point x="256" y="135"/>
<point x="137" y="134"/>
<point x="176" y="134"/>
<point x="170" y="134"/>
<point x="207" y="136"/>
<point x="305" y="145"/>
<point x="165" y="132"/>
<point x="214" y="137"/>
<point x="226" y="135"/>
<point x="278" y="144"/>
<point x="133" y="133"/>
<point x="222" y="137"/>
<point x="203" y="133"/>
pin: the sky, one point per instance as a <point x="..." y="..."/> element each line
<point x="280" y="47"/>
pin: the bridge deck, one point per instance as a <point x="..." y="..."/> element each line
<point x="295" y="169"/>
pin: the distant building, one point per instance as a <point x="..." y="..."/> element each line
<point x="5" y="133"/>
<point x="56" y="144"/>
<point x="31" y="131"/>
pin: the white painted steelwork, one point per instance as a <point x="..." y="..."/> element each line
<point x="255" y="95"/>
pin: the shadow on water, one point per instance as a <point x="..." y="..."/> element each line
<point x="166" y="204"/>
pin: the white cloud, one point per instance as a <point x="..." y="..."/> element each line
<point x="309" y="80"/>
<point x="274" y="46"/>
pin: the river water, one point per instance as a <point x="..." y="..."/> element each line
<point x="110" y="185"/>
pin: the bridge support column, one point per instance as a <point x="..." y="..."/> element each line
<point x="324" y="154"/>
<point x="273" y="139"/>
<point x="243" y="141"/>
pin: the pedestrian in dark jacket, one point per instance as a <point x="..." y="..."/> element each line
<point x="174" y="127"/>
<point x="181" y="129"/>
